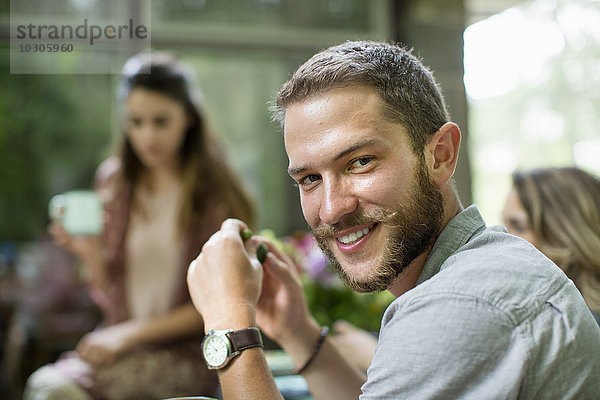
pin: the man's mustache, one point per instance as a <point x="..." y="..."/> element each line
<point x="356" y="219"/>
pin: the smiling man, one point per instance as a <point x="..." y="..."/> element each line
<point x="346" y="160"/>
<point x="479" y="313"/>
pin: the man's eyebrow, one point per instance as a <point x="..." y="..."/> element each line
<point x="342" y="154"/>
<point x="296" y="171"/>
<point x="357" y="146"/>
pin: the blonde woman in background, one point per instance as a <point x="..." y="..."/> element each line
<point x="558" y="211"/>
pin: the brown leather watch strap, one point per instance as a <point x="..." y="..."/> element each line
<point x="245" y="339"/>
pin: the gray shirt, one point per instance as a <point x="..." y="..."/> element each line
<point x="490" y="318"/>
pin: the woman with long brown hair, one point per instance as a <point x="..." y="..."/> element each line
<point x="167" y="189"/>
<point x="558" y="211"/>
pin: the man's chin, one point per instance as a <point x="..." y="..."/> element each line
<point x="362" y="276"/>
<point x="370" y="286"/>
<point x="360" y="279"/>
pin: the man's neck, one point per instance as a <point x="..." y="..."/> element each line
<point x="408" y="278"/>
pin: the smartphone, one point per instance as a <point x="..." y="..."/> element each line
<point x="79" y="212"/>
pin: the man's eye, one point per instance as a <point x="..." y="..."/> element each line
<point x="308" y="180"/>
<point x="361" y="162"/>
<point x="135" y="121"/>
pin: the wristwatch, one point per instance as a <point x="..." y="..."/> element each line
<point x="220" y="346"/>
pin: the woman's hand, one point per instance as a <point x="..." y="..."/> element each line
<point x="86" y="247"/>
<point x="105" y="345"/>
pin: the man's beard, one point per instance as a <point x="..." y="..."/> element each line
<point x="414" y="227"/>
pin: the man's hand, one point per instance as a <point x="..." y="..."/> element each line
<point x="282" y="311"/>
<point x="225" y="280"/>
<point x="232" y="290"/>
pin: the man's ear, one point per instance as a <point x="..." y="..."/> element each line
<point x="442" y="153"/>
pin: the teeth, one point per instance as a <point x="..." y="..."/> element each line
<point x="354" y="236"/>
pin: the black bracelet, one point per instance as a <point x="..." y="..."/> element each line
<point x="314" y="351"/>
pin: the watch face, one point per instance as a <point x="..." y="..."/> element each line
<point x="215" y="350"/>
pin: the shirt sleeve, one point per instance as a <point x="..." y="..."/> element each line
<point x="446" y="346"/>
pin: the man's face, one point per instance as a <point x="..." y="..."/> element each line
<point x="365" y="194"/>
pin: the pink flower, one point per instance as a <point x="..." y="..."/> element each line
<point x="311" y="258"/>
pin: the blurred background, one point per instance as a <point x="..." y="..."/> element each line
<point x="521" y="78"/>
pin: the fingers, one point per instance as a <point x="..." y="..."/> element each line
<point x="224" y="266"/>
<point x="230" y="234"/>
<point x="234" y="226"/>
<point x="191" y="272"/>
<point x="93" y="354"/>
<point x="284" y="256"/>
<point x="261" y="249"/>
<point x="224" y="240"/>
<point x="282" y="269"/>
<point x="193" y="280"/>
<point x="58" y="234"/>
<point x="56" y="229"/>
<point x="274" y="260"/>
<point x="272" y="248"/>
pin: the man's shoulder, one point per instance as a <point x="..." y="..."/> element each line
<point x="496" y="311"/>
<point x="494" y="259"/>
<point x="493" y="268"/>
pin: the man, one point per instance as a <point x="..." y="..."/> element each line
<point x="479" y="313"/>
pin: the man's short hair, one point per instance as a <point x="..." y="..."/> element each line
<point x="407" y="87"/>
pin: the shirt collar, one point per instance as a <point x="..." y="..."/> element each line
<point x="457" y="233"/>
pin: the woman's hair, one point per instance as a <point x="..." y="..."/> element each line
<point x="563" y="205"/>
<point x="208" y="180"/>
<point x="409" y="92"/>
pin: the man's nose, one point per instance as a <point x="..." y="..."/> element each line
<point x="337" y="201"/>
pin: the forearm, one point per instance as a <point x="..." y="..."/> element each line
<point x="329" y="375"/>
<point x="248" y="377"/>
<point x="104" y="345"/>
<point x="95" y="269"/>
<point x="270" y="293"/>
